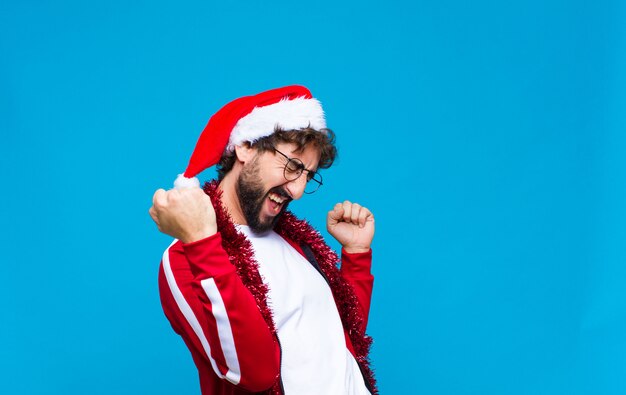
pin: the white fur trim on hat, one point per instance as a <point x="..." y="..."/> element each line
<point x="184" y="182"/>
<point x="287" y="114"/>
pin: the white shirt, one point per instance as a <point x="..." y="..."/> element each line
<point x="315" y="359"/>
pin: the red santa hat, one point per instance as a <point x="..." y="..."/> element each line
<point x="248" y="119"/>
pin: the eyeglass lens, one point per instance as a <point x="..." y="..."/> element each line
<point x="294" y="168"/>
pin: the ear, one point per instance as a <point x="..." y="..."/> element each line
<point x="244" y="152"/>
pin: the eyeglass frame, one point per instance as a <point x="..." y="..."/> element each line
<point x="301" y="169"/>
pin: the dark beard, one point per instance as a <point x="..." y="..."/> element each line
<point x="251" y="197"/>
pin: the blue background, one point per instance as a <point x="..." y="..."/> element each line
<point x="488" y="138"/>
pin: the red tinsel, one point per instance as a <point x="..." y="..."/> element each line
<point x="241" y="254"/>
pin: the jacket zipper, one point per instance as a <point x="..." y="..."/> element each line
<point x="280" y="366"/>
<point x="365" y="380"/>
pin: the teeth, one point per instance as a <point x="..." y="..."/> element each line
<point x="276" y="198"/>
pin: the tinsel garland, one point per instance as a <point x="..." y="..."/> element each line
<point x="241" y="255"/>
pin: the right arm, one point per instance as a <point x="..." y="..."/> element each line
<point x="209" y="306"/>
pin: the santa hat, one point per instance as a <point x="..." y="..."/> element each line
<point x="250" y="118"/>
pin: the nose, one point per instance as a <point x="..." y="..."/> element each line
<point x="296" y="187"/>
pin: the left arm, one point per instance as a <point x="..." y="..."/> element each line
<point x="355" y="268"/>
<point x="353" y="227"/>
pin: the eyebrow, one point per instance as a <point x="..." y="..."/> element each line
<point x="290" y="158"/>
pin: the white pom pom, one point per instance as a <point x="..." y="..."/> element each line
<point x="184" y="182"/>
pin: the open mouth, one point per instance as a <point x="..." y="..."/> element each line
<point x="277" y="201"/>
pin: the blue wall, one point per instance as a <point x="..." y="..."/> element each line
<point x="488" y="138"/>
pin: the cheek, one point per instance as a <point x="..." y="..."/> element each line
<point x="273" y="177"/>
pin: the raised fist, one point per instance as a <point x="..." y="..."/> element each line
<point x="352" y="225"/>
<point x="185" y="214"/>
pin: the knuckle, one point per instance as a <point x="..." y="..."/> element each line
<point x="160" y="198"/>
<point x="158" y="193"/>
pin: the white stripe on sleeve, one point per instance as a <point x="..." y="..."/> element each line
<point x="192" y="319"/>
<point x="224" y="330"/>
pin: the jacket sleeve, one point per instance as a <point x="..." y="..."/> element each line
<point x="207" y="304"/>
<point x="356" y="269"/>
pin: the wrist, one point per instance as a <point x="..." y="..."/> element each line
<point x="356" y="249"/>
<point x="199" y="235"/>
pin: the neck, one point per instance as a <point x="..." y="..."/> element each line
<point x="230" y="201"/>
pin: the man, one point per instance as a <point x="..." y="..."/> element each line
<point x="253" y="291"/>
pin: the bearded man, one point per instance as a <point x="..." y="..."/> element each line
<point x="254" y="292"/>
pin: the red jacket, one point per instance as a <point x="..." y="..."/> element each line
<point x="219" y="319"/>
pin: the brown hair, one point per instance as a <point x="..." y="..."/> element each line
<point x="323" y="139"/>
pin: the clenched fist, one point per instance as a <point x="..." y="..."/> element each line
<point x="352" y="225"/>
<point x="185" y="214"/>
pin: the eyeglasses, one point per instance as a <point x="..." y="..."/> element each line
<point x="293" y="170"/>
